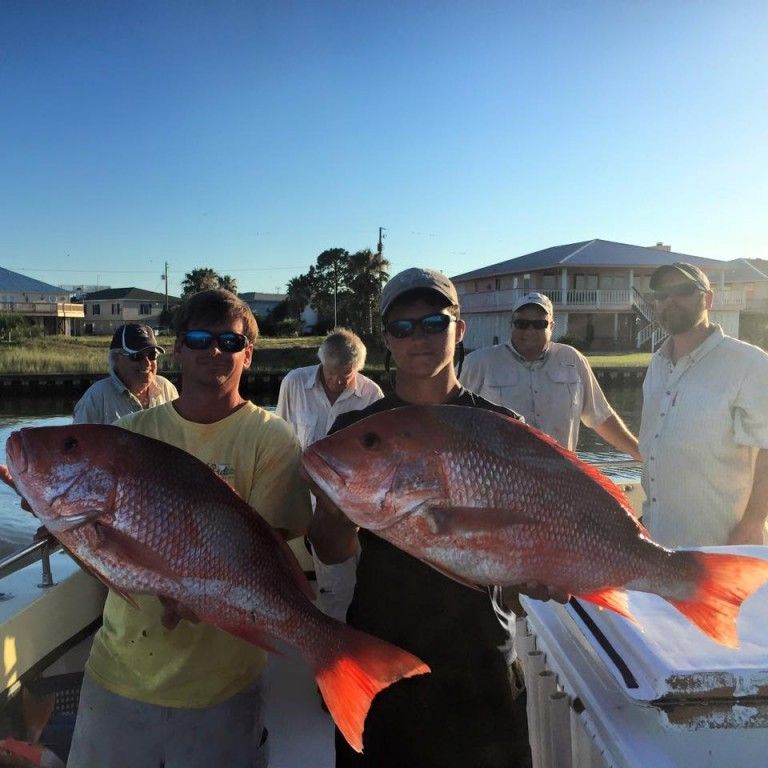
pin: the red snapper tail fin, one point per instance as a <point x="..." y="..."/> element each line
<point x="362" y="665"/>
<point x="725" y="582"/>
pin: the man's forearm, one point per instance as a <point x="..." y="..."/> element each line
<point x="614" y="431"/>
<point x="333" y="535"/>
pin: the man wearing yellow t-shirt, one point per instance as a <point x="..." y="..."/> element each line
<point x="190" y="697"/>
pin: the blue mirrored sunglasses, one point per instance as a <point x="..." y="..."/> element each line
<point x="430" y="324"/>
<point x="229" y="341"/>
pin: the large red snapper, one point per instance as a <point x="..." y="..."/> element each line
<point x="149" y="518"/>
<point x="488" y="500"/>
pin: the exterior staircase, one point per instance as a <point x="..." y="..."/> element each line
<point x="651" y="332"/>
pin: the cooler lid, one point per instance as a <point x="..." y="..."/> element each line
<point x="669" y="658"/>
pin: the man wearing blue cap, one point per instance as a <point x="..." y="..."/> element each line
<point x="704" y="427"/>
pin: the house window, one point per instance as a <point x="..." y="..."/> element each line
<point x="145" y="309"/>
<point x="96" y="309"/>
<point x="498" y="283"/>
<point x="115" y="309"/>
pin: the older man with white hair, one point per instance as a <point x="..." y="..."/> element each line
<point x="132" y="384"/>
<point x="310" y="399"/>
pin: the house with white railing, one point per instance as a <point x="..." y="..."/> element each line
<point x="41" y="304"/>
<point x="600" y="293"/>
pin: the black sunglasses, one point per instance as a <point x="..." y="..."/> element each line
<point x="524" y="325"/>
<point x="135" y="357"/>
<point x="687" y="289"/>
<point x="229" y="341"/>
<point x="431" y="324"/>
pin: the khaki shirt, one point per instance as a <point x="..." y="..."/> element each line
<point x="704" y="420"/>
<point x="109" y="399"/>
<point x="554" y="393"/>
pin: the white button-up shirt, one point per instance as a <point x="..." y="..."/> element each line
<point x="302" y="402"/>
<point x="704" y="420"/>
<point x="554" y="393"/>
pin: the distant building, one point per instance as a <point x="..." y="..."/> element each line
<point x="262" y="304"/>
<point x="41" y="304"/>
<point x="600" y="289"/>
<point x="107" y="309"/>
<point x="78" y="292"/>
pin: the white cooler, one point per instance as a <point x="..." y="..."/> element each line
<point x="604" y="692"/>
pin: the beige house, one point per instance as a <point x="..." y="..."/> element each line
<point x="600" y="293"/>
<point x="41" y="304"/>
<point x="108" y="309"/>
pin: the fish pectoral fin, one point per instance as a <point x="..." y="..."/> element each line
<point x="462" y="520"/>
<point x="135" y="552"/>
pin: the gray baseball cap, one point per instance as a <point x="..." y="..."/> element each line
<point x="539" y="299"/>
<point x="688" y="272"/>
<point x="413" y="279"/>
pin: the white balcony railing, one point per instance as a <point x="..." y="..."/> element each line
<point x="599" y="298"/>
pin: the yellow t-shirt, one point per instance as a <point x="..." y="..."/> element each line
<point x="197" y="665"/>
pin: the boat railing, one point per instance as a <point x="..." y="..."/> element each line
<point x="37" y="551"/>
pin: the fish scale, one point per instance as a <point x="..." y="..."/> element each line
<point x="488" y="500"/>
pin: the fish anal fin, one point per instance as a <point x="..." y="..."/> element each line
<point x="725" y="582"/>
<point x="462" y="520"/>
<point x="615" y="600"/>
<point x="360" y="667"/>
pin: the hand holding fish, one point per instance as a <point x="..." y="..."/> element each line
<point x="5" y="477"/>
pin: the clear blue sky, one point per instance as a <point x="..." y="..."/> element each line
<point x="250" y="136"/>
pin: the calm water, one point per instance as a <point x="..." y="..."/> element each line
<point x="17" y="526"/>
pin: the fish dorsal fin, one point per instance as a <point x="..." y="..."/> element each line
<point x="462" y="520"/>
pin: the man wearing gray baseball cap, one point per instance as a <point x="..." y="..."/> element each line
<point x="549" y="383"/>
<point x="704" y="425"/>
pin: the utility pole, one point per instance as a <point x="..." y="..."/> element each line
<point x="164" y="278"/>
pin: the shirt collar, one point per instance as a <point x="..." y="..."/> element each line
<point x="706" y="346"/>
<point x="518" y="356"/>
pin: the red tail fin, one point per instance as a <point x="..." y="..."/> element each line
<point x="363" y="666"/>
<point x="726" y="581"/>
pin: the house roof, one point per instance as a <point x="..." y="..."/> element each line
<point x="17" y="283"/>
<point x="605" y="253"/>
<point x="134" y="294"/>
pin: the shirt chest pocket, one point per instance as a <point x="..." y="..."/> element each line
<point x="563" y="382"/>
<point x="305" y="430"/>
<point x="500" y="385"/>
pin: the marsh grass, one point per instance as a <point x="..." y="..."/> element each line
<point x="88" y="354"/>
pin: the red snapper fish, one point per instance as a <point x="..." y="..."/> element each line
<point x="488" y="500"/>
<point x="149" y="518"/>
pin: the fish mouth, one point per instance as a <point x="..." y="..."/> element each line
<point x="17" y="456"/>
<point x="316" y="468"/>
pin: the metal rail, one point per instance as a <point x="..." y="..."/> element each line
<point x="37" y="551"/>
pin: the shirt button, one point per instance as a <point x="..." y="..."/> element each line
<point x="653" y="499"/>
<point x="662" y="414"/>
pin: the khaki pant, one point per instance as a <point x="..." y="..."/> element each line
<point x="114" y="732"/>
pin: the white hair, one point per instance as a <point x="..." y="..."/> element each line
<point x="342" y="349"/>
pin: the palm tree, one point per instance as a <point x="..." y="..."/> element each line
<point x="200" y="279"/>
<point x="368" y="273"/>
<point x="229" y="283"/>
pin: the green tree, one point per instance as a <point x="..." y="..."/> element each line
<point x="200" y="279"/>
<point x="229" y="283"/>
<point x="368" y="272"/>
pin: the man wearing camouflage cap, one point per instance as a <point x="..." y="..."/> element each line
<point x="704" y="428"/>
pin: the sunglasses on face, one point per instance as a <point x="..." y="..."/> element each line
<point x="430" y="324"/>
<point x="523" y="325"/>
<point x="229" y="341"/>
<point x="687" y="289"/>
<point x="135" y="357"/>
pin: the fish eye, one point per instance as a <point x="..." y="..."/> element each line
<point x="70" y="443"/>
<point x="370" y="440"/>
